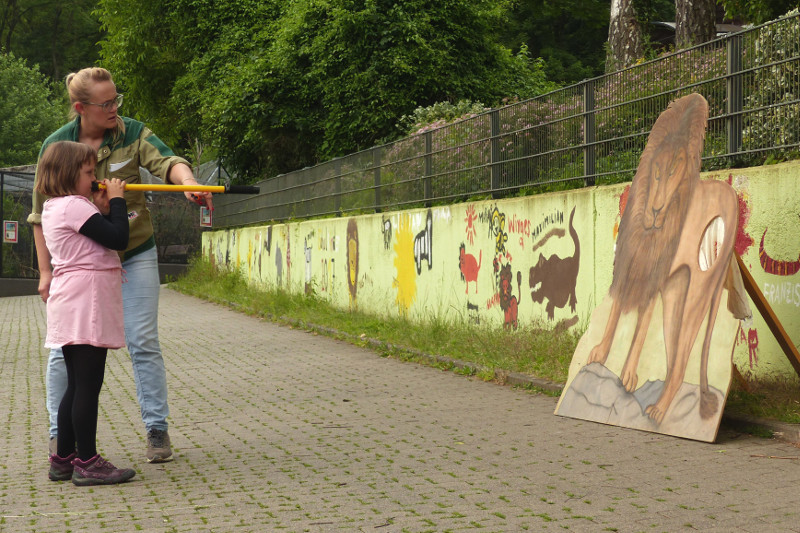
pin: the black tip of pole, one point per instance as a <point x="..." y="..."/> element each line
<point x="241" y="189"/>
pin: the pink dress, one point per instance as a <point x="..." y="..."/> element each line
<point x="85" y="302"/>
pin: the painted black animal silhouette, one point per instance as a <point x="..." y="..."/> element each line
<point x="555" y="278"/>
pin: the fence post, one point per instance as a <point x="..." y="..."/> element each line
<point x="428" y="192"/>
<point x="494" y="162"/>
<point x="589" y="162"/>
<point x="2" y="217"/>
<point x="734" y="95"/>
<point x="337" y="184"/>
<point x="376" y="164"/>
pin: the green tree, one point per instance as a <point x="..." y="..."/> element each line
<point x="30" y="109"/>
<point x="625" y="37"/>
<point x="695" y="22"/>
<point x="569" y="35"/>
<point x="757" y="11"/>
<point x="58" y="36"/>
<point x="276" y="86"/>
<point x="151" y="46"/>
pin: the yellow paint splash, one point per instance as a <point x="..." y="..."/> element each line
<point x="236" y="239"/>
<point x="249" y="258"/>
<point x="406" y="280"/>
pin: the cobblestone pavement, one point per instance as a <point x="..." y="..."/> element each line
<point x="277" y="429"/>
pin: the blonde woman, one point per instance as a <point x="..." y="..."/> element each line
<point x="122" y="145"/>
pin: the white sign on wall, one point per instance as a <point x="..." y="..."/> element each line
<point x="10" y="231"/>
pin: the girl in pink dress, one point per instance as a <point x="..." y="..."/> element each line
<point x="84" y="311"/>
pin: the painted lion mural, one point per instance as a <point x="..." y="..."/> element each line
<point x="669" y="216"/>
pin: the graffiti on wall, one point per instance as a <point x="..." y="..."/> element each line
<point x="508" y="302"/>
<point x="488" y="231"/>
<point x="307" y="247"/>
<point x="328" y="246"/>
<point x="386" y="229"/>
<point x="497" y="231"/>
<point x="405" y="280"/>
<point x="555" y="278"/>
<point x="743" y="239"/>
<point x="423" y="244"/>
<point x="552" y="280"/>
<point x="749" y="339"/>
<point x="776" y="267"/>
<point x="503" y="296"/>
<point x="469" y="266"/>
<point x="470" y="218"/>
<point x="351" y="248"/>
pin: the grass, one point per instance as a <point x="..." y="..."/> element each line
<point x="488" y="353"/>
<point x="774" y="398"/>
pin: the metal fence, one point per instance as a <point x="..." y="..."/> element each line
<point x="17" y="260"/>
<point x="586" y="134"/>
<point x="176" y="221"/>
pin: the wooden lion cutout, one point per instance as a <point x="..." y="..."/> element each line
<point x="673" y="258"/>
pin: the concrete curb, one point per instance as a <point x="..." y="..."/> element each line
<point x="780" y="430"/>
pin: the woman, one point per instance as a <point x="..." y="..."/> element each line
<point x="122" y="145"/>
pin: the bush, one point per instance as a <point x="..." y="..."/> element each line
<point x="31" y="108"/>
<point x="775" y="87"/>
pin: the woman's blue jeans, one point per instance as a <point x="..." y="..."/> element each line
<point x="140" y="306"/>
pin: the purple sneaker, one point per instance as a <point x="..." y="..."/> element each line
<point x="60" y="467"/>
<point x="98" y="471"/>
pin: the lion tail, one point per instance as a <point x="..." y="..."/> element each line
<point x="708" y="404"/>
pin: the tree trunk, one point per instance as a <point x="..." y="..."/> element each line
<point x="624" y="36"/>
<point x="695" y="22"/>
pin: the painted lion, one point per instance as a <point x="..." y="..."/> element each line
<point x="669" y="211"/>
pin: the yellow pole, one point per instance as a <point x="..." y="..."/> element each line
<point x="170" y="188"/>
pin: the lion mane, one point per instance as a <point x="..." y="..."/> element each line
<point x="644" y="249"/>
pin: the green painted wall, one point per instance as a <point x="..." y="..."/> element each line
<point x="512" y="262"/>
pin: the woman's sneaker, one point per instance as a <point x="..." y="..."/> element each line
<point x="159" y="448"/>
<point x="61" y="467"/>
<point x="98" y="471"/>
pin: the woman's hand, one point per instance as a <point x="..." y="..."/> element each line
<point x="181" y="174"/>
<point x="200" y="198"/>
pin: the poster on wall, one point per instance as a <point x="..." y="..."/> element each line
<point x="10" y="231"/>
<point x="657" y="355"/>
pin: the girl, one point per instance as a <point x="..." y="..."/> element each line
<point x="84" y="310"/>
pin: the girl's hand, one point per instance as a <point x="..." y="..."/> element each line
<point x="115" y="187"/>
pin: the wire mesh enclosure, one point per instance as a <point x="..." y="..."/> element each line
<point x="16" y="192"/>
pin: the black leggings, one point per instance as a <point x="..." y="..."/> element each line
<point x="77" y="413"/>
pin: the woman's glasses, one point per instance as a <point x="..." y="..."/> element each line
<point x="111" y="105"/>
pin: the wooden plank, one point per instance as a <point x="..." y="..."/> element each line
<point x="740" y="379"/>
<point x="769" y="316"/>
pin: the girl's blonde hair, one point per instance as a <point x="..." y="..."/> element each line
<point x="79" y="87"/>
<point x="60" y="167"/>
